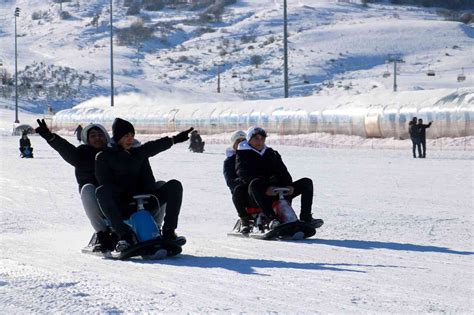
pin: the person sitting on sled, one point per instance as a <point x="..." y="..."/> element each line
<point x="119" y="171"/>
<point x="94" y="139"/>
<point x="25" y="146"/>
<point x="240" y="196"/>
<point x="262" y="169"/>
<point x="195" y="142"/>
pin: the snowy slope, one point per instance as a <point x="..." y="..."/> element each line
<point x="335" y="47"/>
<point x="398" y="238"/>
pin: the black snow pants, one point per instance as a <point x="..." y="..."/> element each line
<point x="115" y="205"/>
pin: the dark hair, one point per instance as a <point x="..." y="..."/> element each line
<point x="93" y="128"/>
<point x="259" y="131"/>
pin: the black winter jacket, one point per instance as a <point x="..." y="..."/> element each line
<point x="230" y="173"/>
<point x="25" y="143"/>
<point x="414" y="131"/>
<point x="422" y="129"/>
<point x="251" y="164"/>
<point x="129" y="172"/>
<point x="81" y="157"/>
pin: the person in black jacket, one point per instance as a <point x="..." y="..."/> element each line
<point x="240" y="196"/>
<point x="195" y="142"/>
<point x="25" y="146"/>
<point x="414" y="132"/>
<point x="119" y="170"/>
<point x="262" y="169"/>
<point x="78" y="133"/>
<point x="95" y="139"/>
<point x="422" y="131"/>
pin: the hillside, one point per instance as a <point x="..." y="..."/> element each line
<point x="335" y="47"/>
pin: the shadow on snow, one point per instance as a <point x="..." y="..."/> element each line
<point x="249" y="266"/>
<point x="358" y="244"/>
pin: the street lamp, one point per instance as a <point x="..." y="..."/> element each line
<point x="285" y="48"/>
<point x="111" y="59"/>
<point x="17" y="14"/>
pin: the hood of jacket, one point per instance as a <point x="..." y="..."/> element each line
<point x="86" y="129"/>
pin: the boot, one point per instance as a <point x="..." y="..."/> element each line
<point x="308" y="218"/>
<point x="105" y="241"/>
<point x="169" y="234"/>
<point x="126" y="241"/>
<point x="245" y="225"/>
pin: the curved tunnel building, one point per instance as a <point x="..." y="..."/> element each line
<point x="374" y="115"/>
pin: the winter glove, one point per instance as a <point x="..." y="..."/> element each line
<point x="182" y="136"/>
<point x="43" y="130"/>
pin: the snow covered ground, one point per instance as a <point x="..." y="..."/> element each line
<point x="398" y="238"/>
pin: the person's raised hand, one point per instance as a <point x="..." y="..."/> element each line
<point x="43" y="130"/>
<point x="182" y="136"/>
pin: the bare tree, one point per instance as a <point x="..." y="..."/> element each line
<point x="256" y="60"/>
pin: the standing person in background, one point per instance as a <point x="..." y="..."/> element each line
<point x="422" y="130"/>
<point x="414" y="132"/>
<point x="78" y="133"/>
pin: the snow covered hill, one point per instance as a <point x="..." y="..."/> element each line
<point x="335" y="47"/>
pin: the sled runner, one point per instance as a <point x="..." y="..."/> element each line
<point x="288" y="227"/>
<point x="150" y="243"/>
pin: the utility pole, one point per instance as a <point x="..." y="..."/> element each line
<point x="395" y="60"/>
<point x="111" y="59"/>
<point x="285" y="48"/>
<point x="17" y="14"/>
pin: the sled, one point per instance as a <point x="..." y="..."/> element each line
<point x="290" y="227"/>
<point x="154" y="249"/>
<point x="150" y="243"/>
<point x="289" y="231"/>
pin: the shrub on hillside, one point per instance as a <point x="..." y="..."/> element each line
<point x="247" y="38"/>
<point x="39" y="15"/>
<point x="256" y="60"/>
<point x="64" y="15"/>
<point x="134" y="9"/>
<point x="135" y="34"/>
<point x="153" y="5"/>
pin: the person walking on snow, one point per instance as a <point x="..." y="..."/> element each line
<point x="119" y="171"/>
<point x="78" y="133"/>
<point x="95" y="139"/>
<point x="262" y="169"/>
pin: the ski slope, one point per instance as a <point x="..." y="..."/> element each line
<point x="398" y="238"/>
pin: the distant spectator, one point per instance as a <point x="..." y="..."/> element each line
<point x="195" y="142"/>
<point x="422" y="131"/>
<point x="414" y="132"/>
<point x="25" y="146"/>
<point x="78" y="132"/>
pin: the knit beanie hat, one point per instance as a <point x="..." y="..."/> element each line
<point x="239" y="134"/>
<point x="120" y="128"/>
